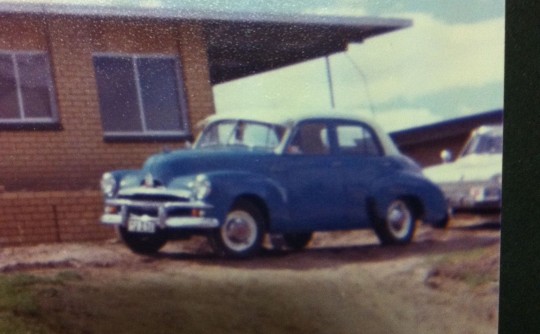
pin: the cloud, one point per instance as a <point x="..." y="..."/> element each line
<point x="432" y="56"/>
<point x="343" y="10"/>
<point x="396" y="74"/>
<point x="398" y="119"/>
<point x="293" y="88"/>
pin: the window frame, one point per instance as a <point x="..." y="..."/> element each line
<point x="25" y="122"/>
<point x="184" y="133"/>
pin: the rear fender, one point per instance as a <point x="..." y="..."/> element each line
<point x="411" y="186"/>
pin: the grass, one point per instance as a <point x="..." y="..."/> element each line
<point x="20" y="296"/>
<point x="224" y="299"/>
<point x="186" y="303"/>
<point x="473" y="268"/>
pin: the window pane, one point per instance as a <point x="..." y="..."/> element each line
<point x="259" y="135"/>
<point x="35" y="79"/>
<point x="311" y="138"/>
<point x="354" y="139"/>
<point x="117" y="94"/>
<point x="9" y="105"/>
<point x="159" y="89"/>
<point x="217" y="134"/>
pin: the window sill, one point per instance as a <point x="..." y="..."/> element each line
<point x="30" y="126"/>
<point x="143" y="138"/>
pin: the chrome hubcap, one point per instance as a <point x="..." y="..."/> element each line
<point x="239" y="231"/>
<point x="399" y="219"/>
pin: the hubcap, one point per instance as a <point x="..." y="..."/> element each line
<point x="399" y="219"/>
<point x="239" y="231"/>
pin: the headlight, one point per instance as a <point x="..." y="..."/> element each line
<point x="477" y="193"/>
<point x="108" y="185"/>
<point x="201" y="187"/>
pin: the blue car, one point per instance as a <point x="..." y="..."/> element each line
<point x="251" y="175"/>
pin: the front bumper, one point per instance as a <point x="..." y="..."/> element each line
<point x="473" y="196"/>
<point x="189" y="215"/>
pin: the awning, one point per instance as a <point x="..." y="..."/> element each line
<point x="239" y="44"/>
<point x="239" y="48"/>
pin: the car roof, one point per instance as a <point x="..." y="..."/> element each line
<point x="492" y="129"/>
<point x="291" y="118"/>
<point x="286" y="118"/>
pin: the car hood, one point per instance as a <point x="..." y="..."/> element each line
<point x="169" y="166"/>
<point x="473" y="167"/>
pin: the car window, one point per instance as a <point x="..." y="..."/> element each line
<point x="310" y="138"/>
<point x="484" y="144"/>
<point x="260" y="135"/>
<point x="357" y="140"/>
<point x="241" y="133"/>
<point x="217" y="134"/>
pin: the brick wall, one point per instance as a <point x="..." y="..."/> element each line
<point x="75" y="157"/>
<point x="51" y="178"/>
<point x="51" y="216"/>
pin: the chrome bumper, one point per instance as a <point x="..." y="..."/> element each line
<point x="162" y="220"/>
<point x="473" y="196"/>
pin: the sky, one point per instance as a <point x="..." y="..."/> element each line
<point x="449" y="64"/>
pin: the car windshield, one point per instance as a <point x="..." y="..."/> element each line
<point x="235" y="133"/>
<point x="488" y="143"/>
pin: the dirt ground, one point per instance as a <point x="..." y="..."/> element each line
<point x="449" y="277"/>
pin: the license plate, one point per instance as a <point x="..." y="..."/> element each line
<point x="144" y="224"/>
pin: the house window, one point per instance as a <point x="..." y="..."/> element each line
<point x="26" y="89"/>
<point x="140" y="96"/>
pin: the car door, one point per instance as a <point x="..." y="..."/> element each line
<point x="362" y="161"/>
<point x="310" y="170"/>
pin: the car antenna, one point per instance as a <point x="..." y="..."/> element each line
<point x="364" y="78"/>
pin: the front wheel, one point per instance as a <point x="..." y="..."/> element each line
<point x="241" y="234"/>
<point x="398" y="225"/>
<point x="142" y="243"/>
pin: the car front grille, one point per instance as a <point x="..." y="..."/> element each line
<point x="154" y="198"/>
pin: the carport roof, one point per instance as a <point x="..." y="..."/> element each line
<point x="238" y="44"/>
<point x="446" y="129"/>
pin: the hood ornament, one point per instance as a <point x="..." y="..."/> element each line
<point x="149" y="180"/>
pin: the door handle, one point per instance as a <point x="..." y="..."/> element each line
<point x="336" y="164"/>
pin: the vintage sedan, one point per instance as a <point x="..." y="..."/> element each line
<point x="473" y="181"/>
<point x="252" y="175"/>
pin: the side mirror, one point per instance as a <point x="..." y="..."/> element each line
<point x="446" y="156"/>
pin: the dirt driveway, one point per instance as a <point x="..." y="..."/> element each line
<point x="445" y="281"/>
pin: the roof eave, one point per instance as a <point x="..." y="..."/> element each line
<point x="242" y="44"/>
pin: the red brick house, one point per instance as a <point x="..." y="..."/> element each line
<point x="89" y="89"/>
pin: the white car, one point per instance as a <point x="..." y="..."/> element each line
<point x="473" y="181"/>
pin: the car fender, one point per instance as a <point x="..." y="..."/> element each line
<point x="409" y="185"/>
<point x="228" y="186"/>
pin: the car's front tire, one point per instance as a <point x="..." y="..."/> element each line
<point x="398" y="225"/>
<point x="142" y="243"/>
<point x="242" y="232"/>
